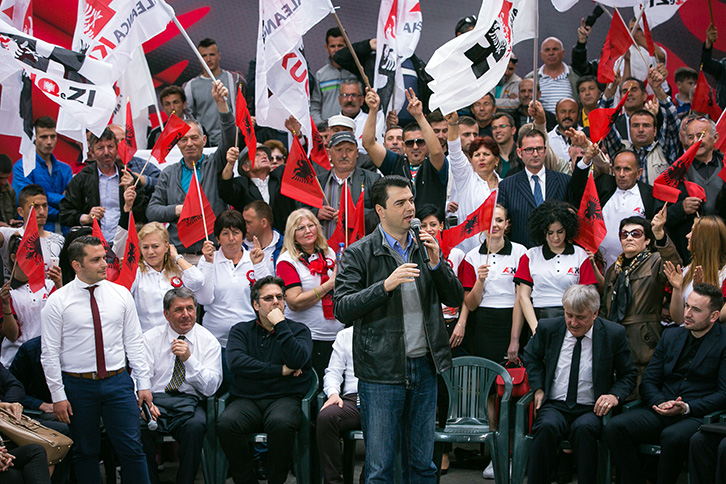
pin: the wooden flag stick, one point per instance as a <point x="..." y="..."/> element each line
<point x="710" y="12"/>
<point x="138" y="178"/>
<point x="236" y="137"/>
<point x="201" y="204"/>
<point x="352" y="52"/>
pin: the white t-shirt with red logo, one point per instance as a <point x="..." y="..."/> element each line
<point x="499" y="289"/>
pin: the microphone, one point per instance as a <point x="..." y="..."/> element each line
<point x="151" y="423"/>
<point x="416" y="226"/>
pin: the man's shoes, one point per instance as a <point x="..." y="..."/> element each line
<point x="489" y="471"/>
<point x="564" y="472"/>
<point x="260" y="470"/>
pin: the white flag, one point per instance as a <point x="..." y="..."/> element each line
<point x="16" y="113"/>
<point x="470" y="65"/>
<point x="526" y="22"/>
<point x="112" y="30"/>
<point x="16" y="13"/>
<point x="399" y="29"/>
<point x="659" y="12"/>
<point x="282" y="86"/>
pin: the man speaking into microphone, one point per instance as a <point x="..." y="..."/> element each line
<point x="393" y="298"/>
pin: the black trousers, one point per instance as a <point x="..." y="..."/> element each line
<point x="279" y="418"/>
<point x="332" y="422"/>
<point x="707" y="458"/>
<point x="30" y="466"/>
<point x="628" y="430"/>
<point x="321" y="358"/>
<point x="190" y="436"/>
<point x="556" y="422"/>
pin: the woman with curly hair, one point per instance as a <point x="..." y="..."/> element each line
<point x="546" y="270"/>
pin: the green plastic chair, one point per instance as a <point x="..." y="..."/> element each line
<point x="470" y="382"/>
<point x="301" y="450"/>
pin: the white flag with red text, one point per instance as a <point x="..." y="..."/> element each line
<point x="399" y="29"/>
<point x="282" y="85"/>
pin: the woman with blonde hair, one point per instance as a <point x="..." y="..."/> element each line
<point x="161" y="268"/>
<point x="707" y="244"/>
<point x="308" y="267"/>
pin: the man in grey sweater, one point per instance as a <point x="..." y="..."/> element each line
<point x="324" y="96"/>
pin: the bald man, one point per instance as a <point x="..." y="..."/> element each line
<point x="566" y="112"/>
<point x="556" y="79"/>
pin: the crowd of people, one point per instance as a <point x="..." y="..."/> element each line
<point x="264" y="303"/>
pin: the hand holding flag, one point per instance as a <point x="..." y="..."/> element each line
<point x="127" y="275"/>
<point x="29" y="257"/>
<point x="243" y="120"/>
<point x="197" y="218"/>
<point x="592" y="228"/>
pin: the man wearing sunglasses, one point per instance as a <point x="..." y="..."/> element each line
<point x="270" y="360"/>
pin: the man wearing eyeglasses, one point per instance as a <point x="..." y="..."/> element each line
<point x="503" y="131"/>
<point x="707" y="163"/>
<point x="270" y="360"/>
<point x="351" y="101"/>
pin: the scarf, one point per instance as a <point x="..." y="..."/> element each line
<point x="318" y="265"/>
<point x="621" y="292"/>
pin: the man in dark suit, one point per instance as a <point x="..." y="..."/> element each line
<point x="685" y="380"/>
<point x="524" y="191"/>
<point x="570" y="363"/>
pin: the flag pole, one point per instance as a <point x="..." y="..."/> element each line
<point x="535" y="75"/>
<point x="352" y="52"/>
<point x="710" y="11"/>
<point x="345" y="225"/>
<point x="201" y="204"/>
<point x="15" y="264"/>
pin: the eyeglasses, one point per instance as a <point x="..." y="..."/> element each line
<point x="303" y="228"/>
<point x="418" y="141"/>
<point x="539" y="149"/>
<point x="271" y="297"/>
<point x="349" y="95"/>
<point x="501" y="126"/>
<point x="636" y="234"/>
<point x="278" y="158"/>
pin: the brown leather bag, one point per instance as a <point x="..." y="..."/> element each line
<point x="28" y="431"/>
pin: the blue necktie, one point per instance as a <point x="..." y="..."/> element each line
<point x="538" y="198"/>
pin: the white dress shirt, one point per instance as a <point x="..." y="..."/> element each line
<point x="263" y="186"/>
<point x="26" y="306"/>
<point x="623" y="204"/>
<point x="340" y="369"/>
<point x="585" y="389"/>
<point x="203" y="369"/>
<point x="68" y="341"/>
<point x="541" y="175"/>
<point x="226" y="292"/>
<point x="559" y="143"/>
<point x="149" y="289"/>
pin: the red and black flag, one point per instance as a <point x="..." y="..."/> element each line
<point x="112" y="271"/>
<point x="243" y="120"/>
<point x="602" y="120"/>
<point x="131" y="256"/>
<point x="318" y="153"/>
<point x="29" y="256"/>
<point x="617" y="43"/>
<point x="191" y="227"/>
<point x="478" y="221"/>
<point x="298" y="180"/>
<point x="648" y="37"/>
<point x="127" y="146"/>
<point x="174" y="130"/>
<point x="704" y="101"/>
<point x="359" y="220"/>
<point x="665" y="187"/>
<point x="592" y="228"/>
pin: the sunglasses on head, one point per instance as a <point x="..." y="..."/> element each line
<point x="636" y="234"/>
<point x="419" y="141"/>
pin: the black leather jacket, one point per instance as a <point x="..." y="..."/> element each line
<point x="379" y="348"/>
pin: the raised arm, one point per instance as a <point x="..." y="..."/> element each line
<point x="415" y="109"/>
<point x="375" y="150"/>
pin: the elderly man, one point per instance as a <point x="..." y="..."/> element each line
<point x="171" y="189"/>
<point x="351" y="101"/>
<point x="684" y="381"/>
<point x="270" y="360"/>
<point x="343" y="157"/>
<point x="566" y="114"/>
<point x="521" y="113"/>
<point x="186" y="367"/>
<point x="707" y="164"/>
<point x="570" y="363"/>
<point x="556" y="79"/>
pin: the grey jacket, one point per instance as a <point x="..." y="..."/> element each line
<point x="169" y="192"/>
<point x="324" y="96"/>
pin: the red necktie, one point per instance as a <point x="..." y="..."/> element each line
<point x="98" y="335"/>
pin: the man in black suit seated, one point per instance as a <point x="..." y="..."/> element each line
<point x="684" y="381"/>
<point x="570" y="363"/>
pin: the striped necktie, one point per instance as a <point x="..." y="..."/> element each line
<point x="177" y="377"/>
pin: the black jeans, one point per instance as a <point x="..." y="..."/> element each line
<point x="332" y="422"/>
<point x="279" y="418"/>
<point x="30" y="466"/>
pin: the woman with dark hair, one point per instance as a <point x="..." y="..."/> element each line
<point x="546" y="270"/>
<point x="472" y="178"/>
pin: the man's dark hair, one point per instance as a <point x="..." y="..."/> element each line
<point x="107" y="135"/>
<point x="645" y="112"/>
<point x="435" y="117"/>
<point x="44" y="122"/>
<point x="6" y="164"/>
<point x="227" y="220"/>
<point x="262" y="210"/>
<point x="178" y="293"/>
<point x="77" y="249"/>
<point x="644" y="224"/>
<point x="713" y="293"/>
<point x="257" y="286"/>
<point x="585" y="79"/>
<point x="684" y="74"/>
<point x="467" y="121"/>
<point x="14" y="244"/>
<point x="641" y="84"/>
<point x="627" y="150"/>
<point x="334" y="32"/>
<point x="170" y="90"/>
<point x="28" y="191"/>
<point x="531" y="133"/>
<point x="322" y="125"/>
<point x="491" y="96"/>
<point x="549" y="212"/>
<point x="429" y="209"/>
<point x="395" y="126"/>
<point x="411" y="127"/>
<point x="379" y="190"/>
<point x="502" y="114"/>
<point x="207" y="43"/>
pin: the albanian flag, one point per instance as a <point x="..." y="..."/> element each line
<point x="617" y="43"/>
<point x="298" y="179"/>
<point x="665" y="187"/>
<point x="592" y="225"/>
<point x="191" y="225"/>
<point x="602" y="120"/>
<point x="318" y="153"/>
<point x="174" y="130"/>
<point x="127" y="146"/>
<point x="345" y="219"/>
<point x="131" y="256"/>
<point x="243" y="120"/>
<point x="648" y="37"/>
<point x="359" y="220"/>
<point x="29" y="256"/>
<point x="704" y="100"/>
<point x="112" y="271"/>
<point x="478" y="221"/>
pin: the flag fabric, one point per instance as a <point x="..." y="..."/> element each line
<point x="359" y="219"/>
<point x="16" y="115"/>
<point x="592" y="228"/>
<point x="346" y="218"/>
<point x="29" y="256"/>
<point x="127" y="274"/>
<point x="478" y="221"/>
<point x="191" y="227"/>
<point x="665" y="186"/>
<point x="648" y="36"/>
<point x="281" y="76"/>
<point x="617" y="43"/>
<point x="18" y="13"/>
<point x="525" y="25"/>
<point x="243" y="120"/>
<point x="399" y="29"/>
<point x="695" y="190"/>
<point x="298" y="179"/>
<point x="703" y="100"/>
<point x="666" y="193"/>
<point x="661" y="11"/>
<point x="111" y="30"/>
<point x="467" y="67"/>
<point x="174" y="130"/>
<point x="602" y="120"/>
<point x="127" y="146"/>
<point x="318" y="153"/>
<point x="112" y="272"/>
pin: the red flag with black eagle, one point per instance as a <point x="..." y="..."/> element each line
<point x="127" y="275"/>
<point x="602" y="120"/>
<point x="112" y="271"/>
<point x="592" y="228"/>
<point x="704" y="100"/>
<point x="617" y="43"/>
<point x="478" y="221"/>
<point x="359" y="220"/>
<point x="127" y="146"/>
<point x="346" y="209"/>
<point x="243" y="120"/>
<point x="174" y="130"/>
<point x="29" y="256"/>
<point x="298" y="179"/>
<point x="190" y="227"/>
<point x="648" y="37"/>
<point x="665" y="187"/>
<point x="318" y="153"/>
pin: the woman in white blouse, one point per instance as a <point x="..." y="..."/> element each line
<point x="308" y="266"/>
<point x="160" y="269"/>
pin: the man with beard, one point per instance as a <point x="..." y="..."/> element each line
<point x="566" y="112"/>
<point x="521" y="114"/>
<point x="351" y="101"/>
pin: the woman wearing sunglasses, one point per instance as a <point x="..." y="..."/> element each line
<point x="635" y="283"/>
<point x="278" y="154"/>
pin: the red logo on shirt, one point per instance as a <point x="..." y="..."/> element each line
<point x="575" y="271"/>
<point x="251" y="277"/>
<point x="509" y="270"/>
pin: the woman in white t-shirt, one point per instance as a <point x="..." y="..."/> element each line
<point x="308" y="266"/>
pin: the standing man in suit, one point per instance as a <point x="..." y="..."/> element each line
<point x="685" y="380"/>
<point x="524" y="191"/>
<point x="570" y="362"/>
